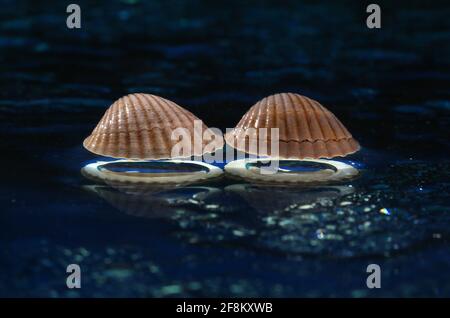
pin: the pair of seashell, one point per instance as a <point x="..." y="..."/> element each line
<point x="139" y="126"/>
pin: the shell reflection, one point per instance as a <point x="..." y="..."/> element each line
<point x="151" y="201"/>
<point x="268" y="199"/>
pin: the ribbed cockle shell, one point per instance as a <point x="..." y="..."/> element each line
<point x="140" y="126"/>
<point x="306" y="129"/>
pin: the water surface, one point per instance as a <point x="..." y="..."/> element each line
<point x="226" y="237"/>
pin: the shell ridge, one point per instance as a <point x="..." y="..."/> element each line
<point x="100" y="136"/>
<point x="343" y="146"/>
<point x="142" y="101"/>
<point x="188" y="116"/>
<point x="278" y="101"/>
<point x="314" y="119"/>
<point x="105" y="115"/>
<point x="255" y="113"/>
<point x="313" y="140"/>
<point x="289" y="117"/>
<point x="113" y="119"/>
<point x="289" y="96"/>
<point x="162" y="115"/>
<point x="136" y="131"/>
<point x="252" y="113"/>
<point x="179" y="121"/>
<point x="244" y="123"/>
<point x="253" y="121"/>
<point x="269" y="117"/>
<point x="314" y="150"/>
<point x="241" y="122"/>
<point x="327" y="143"/>
<point x="148" y="99"/>
<point x="154" y="105"/>
<point x="326" y="115"/>
<point x="106" y="127"/>
<point x="244" y="120"/>
<point x="127" y="136"/>
<point x="128" y="122"/>
<point x="144" y="128"/>
<point x="305" y="115"/>
<point x="247" y="122"/>
<point x="171" y="115"/>
<point x="131" y="110"/>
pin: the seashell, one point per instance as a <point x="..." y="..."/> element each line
<point x="306" y="129"/>
<point x="140" y="126"/>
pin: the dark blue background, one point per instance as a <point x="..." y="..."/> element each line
<point x="390" y="87"/>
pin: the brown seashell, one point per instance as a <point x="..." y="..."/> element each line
<point x="306" y="129"/>
<point x="139" y="126"/>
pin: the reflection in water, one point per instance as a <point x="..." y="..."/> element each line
<point x="342" y="220"/>
<point x="172" y="200"/>
<point x="267" y="199"/>
<point x="151" y="202"/>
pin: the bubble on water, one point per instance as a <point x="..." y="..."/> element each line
<point x="385" y="211"/>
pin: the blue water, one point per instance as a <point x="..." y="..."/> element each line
<point x="226" y="237"/>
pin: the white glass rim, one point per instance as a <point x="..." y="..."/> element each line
<point x="93" y="170"/>
<point x="238" y="168"/>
